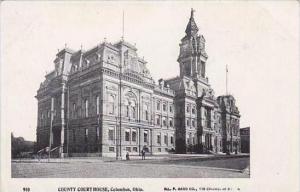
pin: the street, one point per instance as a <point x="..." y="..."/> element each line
<point x="155" y="168"/>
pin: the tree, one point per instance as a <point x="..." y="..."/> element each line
<point x="19" y="146"/>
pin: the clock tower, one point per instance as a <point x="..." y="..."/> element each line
<point x="192" y="57"/>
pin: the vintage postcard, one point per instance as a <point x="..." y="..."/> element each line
<point x="154" y="96"/>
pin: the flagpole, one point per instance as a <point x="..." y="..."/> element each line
<point x="226" y="79"/>
<point x="123" y="26"/>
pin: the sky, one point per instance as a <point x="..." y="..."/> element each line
<point x="258" y="41"/>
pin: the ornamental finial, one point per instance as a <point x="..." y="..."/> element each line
<point x="192" y="12"/>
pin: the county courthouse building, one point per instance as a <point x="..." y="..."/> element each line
<point x="104" y="102"/>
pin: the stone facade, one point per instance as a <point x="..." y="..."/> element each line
<point x="104" y="102"/>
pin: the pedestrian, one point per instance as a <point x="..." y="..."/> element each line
<point x="127" y="155"/>
<point x="143" y="154"/>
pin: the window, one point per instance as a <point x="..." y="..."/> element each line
<point x="171" y="109"/>
<point x="193" y="123"/>
<point x="86" y="108"/>
<point x="128" y="149"/>
<point x="133" y="136"/>
<point x="158" y="120"/>
<point x="127" y="136"/>
<point x="166" y="150"/>
<point x="164" y="121"/>
<point x="111" y="149"/>
<point x="172" y="141"/>
<point x="86" y="134"/>
<point x="159" y="149"/>
<point x="133" y="112"/>
<point x="127" y="111"/>
<point x="111" y="104"/>
<point x="134" y="149"/>
<point x="74" y="110"/>
<point x="97" y="105"/>
<point x="164" y="107"/>
<point x="146" y="115"/>
<point x="171" y="122"/>
<point x="158" y="139"/>
<point x="158" y="105"/>
<point x="193" y="110"/>
<point x="111" y="134"/>
<point x="145" y="136"/>
<point x="166" y="139"/>
<point x="187" y="109"/>
<point x="188" y="122"/>
<point x="97" y="133"/>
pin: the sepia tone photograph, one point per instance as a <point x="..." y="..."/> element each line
<point x="140" y="89"/>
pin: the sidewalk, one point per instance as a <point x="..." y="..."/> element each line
<point x="133" y="158"/>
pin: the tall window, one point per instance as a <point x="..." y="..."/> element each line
<point x="164" y="107"/>
<point x="157" y="120"/>
<point x="86" y="134"/>
<point x="111" y="134"/>
<point x="146" y="136"/>
<point x="74" y="110"/>
<point x="164" y="121"/>
<point x="133" y="136"/>
<point x="188" y="122"/>
<point x="158" y="139"/>
<point x="127" y="110"/>
<point x="171" y="109"/>
<point x="166" y="139"/>
<point x="172" y="140"/>
<point x="171" y="122"/>
<point x="193" y="110"/>
<point x="86" y="108"/>
<point x="111" y="104"/>
<point x="127" y="136"/>
<point x="158" y="105"/>
<point x="146" y="112"/>
<point x="133" y="112"/>
<point x="97" y="105"/>
<point x="146" y="115"/>
<point x="193" y="123"/>
<point x="188" y="109"/>
<point x="97" y="133"/>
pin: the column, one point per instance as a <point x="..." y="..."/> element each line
<point x="62" y="136"/>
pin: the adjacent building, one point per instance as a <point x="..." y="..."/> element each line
<point x="104" y="102"/>
<point x="245" y="139"/>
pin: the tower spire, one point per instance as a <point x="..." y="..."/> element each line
<point x="191" y="28"/>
